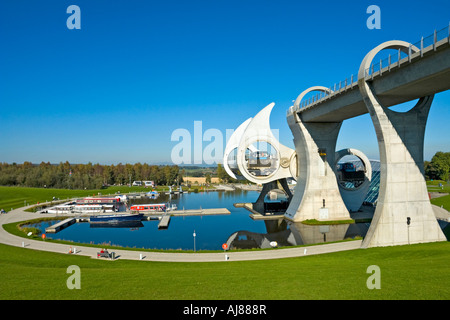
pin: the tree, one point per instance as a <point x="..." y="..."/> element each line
<point x="430" y="171"/>
<point x="181" y="175"/>
<point x="107" y="175"/>
<point x="439" y="167"/>
<point x="441" y="163"/>
<point x="221" y="173"/>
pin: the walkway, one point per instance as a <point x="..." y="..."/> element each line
<point x="21" y="215"/>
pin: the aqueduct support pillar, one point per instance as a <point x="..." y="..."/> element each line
<point x="403" y="214"/>
<point x="316" y="195"/>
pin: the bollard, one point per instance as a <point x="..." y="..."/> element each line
<point x="226" y="257"/>
<point x="74" y="250"/>
<point x="304" y="252"/>
<point x="140" y="256"/>
<point x="23" y="244"/>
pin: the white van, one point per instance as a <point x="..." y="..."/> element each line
<point x="149" y="183"/>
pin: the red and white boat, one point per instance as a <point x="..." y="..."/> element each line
<point x="89" y="202"/>
<point x="153" y="207"/>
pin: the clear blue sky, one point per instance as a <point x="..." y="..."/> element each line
<point x="115" y="90"/>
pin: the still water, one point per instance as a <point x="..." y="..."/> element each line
<point x="237" y="229"/>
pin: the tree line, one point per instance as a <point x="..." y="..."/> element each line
<point x="95" y="176"/>
<point x="85" y="176"/>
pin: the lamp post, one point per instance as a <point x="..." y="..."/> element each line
<point x="194" y="239"/>
<point x="408" y="222"/>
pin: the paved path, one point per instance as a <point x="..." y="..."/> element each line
<point x="21" y="215"/>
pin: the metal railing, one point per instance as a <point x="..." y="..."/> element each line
<point x="380" y="67"/>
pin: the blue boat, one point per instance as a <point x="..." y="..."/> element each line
<point x="133" y="225"/>
<point x="116" y="218"/>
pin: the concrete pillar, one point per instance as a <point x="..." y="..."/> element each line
<point x="316" y="195"/>
<point x="403" y="192"/>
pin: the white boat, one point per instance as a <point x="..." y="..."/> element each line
<point x="61" y="209"/>
<point x="94" y="208"/>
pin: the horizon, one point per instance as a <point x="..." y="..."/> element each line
<point x="117" y="89"/>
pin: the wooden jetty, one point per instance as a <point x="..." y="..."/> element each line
<point x="165" y="218"/>
<point x="60" y="225"/>
<point x="200" y="212"/>
<point x="258" y="216"/>
<point x="188" y="212"/>
<point x="164" y="222"/>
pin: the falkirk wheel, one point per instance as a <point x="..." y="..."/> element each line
<point x="254" y="153"/>
<point x="327" y="189"/>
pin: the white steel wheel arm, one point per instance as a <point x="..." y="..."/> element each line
<point x="233" y="143"/>
<point x="258" y="130"/>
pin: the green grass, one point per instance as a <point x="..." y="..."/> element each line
<point x="442" y="201"/>
<point x="15" y="197"/>
<point x="407" y="272"/>
<point x="433" y="186"/>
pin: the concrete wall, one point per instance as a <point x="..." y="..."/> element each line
<point x="315" y="145"/>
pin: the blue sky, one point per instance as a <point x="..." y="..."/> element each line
<point x="115" y="90"/>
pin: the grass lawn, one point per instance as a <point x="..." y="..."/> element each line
<point x="407" y="272"/>
<point x="442" y="201"/>
<point x="433" y="186"/>
<point x="15" y="197"/>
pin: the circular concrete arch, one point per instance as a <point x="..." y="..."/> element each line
<point x="361" y="156"/>
<point x="403" y="46"/>
<point x="315" y="88"/>
<point x="367" y="61"/>
<point x="354" y="198"/>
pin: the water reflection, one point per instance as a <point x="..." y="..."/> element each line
<point x="286" y="233"/>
